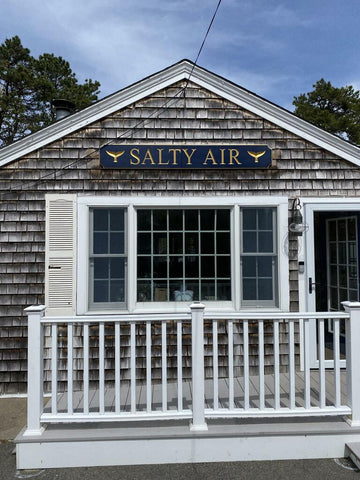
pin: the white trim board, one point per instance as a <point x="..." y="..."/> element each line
<point x="178" y="446"/>
<point x="165" y="78"/>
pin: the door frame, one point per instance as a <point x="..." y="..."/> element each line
<point x="307" y="300"/>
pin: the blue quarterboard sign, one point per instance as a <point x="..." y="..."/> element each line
<point x="185" y="156"/>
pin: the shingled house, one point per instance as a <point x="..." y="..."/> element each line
<point x="179" y="189"/>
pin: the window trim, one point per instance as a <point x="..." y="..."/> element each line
<point x="85" y="203"/>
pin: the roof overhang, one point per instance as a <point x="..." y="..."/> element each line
<point x="204" y="78"/>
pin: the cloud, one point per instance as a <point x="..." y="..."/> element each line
<point x="284" y="17"/>
<point x="260" y="44"/>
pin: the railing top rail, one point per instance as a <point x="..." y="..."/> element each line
<point x="276" y="315"/>
<point x="119" y="318"/>
<point x="156" y="317"/>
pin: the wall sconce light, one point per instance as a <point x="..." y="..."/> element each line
<point x="297" y="227"/>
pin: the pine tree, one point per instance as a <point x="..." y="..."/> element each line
<point x="28" y="86"/>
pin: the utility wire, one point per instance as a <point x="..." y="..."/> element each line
<point x="57" y="173"/>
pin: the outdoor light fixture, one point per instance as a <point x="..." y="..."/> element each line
<point x="297" y="227"/>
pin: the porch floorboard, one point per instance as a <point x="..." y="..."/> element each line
<point x="223" y="394"/>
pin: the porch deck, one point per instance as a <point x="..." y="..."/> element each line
<point x="303" y="413"/>
<point x="223" y="396"/>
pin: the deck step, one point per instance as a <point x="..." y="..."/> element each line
<point x="354" y="452"/>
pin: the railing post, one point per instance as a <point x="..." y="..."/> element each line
<point x="198" y="378"/>
<point x="35" y="370"/>
<point x="352" y="360"/>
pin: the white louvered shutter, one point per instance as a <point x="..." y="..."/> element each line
<point x="60" y="255"/>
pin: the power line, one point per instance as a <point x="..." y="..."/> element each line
<point x="59" y="172"/>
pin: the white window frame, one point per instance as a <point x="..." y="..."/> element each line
<point x="85" y="203"/>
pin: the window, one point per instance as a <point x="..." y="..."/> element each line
<point x="183" y="255"/>
<point x="142" y="254"/>
<point x="107" y="258"/>
<point x="258" y="257"/>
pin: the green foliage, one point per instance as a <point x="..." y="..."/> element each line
<point x="28" y="85"/>
<point x="336" y="110"/>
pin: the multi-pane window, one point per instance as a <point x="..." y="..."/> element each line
<point x="183" y="255"/>
<point x="107" y="257"/>
<point x="258" y="257"/>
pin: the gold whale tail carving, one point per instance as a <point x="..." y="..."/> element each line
<point x="256" y="155"/>
<point x="115" y="155"/>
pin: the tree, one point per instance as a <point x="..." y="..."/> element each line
<point x="336" y="110"/>
<point x="28" y="86"/>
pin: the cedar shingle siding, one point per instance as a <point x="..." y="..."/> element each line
<point x="72" y="165"/>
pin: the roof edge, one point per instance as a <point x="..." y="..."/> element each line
<point x="94" y="112"/>
<point x="164" y="78"/>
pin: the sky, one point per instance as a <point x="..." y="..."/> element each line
<point x="276" y="49"/>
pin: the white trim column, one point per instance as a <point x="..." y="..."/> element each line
<point x="198" y="377"/>
<point x="35" y="370"/>
<point x="352" y="360"/>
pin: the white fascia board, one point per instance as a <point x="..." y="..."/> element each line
<point x="94" y="112"/>
<point x="277" y="115"/>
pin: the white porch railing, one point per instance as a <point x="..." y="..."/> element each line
<point x="255" y="364"/>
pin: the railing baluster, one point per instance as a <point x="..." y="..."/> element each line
<point x="179" y="366"/>
<point x="163" y="366"/>
<point x="86" y="354"/>
<point x="307" y="385"/>
<point x="133" y="367"/>
<point x="54" y="368"/>
<point x="101" y="368"/>
<point x="231" y="363"/>
<point x="70" y="368"/>
<point x="215" y="365"/>
<point x="261" y="366"/>
<point x="135" y="405"/>
<point x="148" y="367"/>
<point x="117" y="368"/>
<point x="246" y="364"/>
<point x="321" y="337"/>
<point x="336" y="342"/>
<point x="276" y="366"/>
<point x="291" y="364"/>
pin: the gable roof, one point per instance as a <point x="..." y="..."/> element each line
<point x="182" y="70"/>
